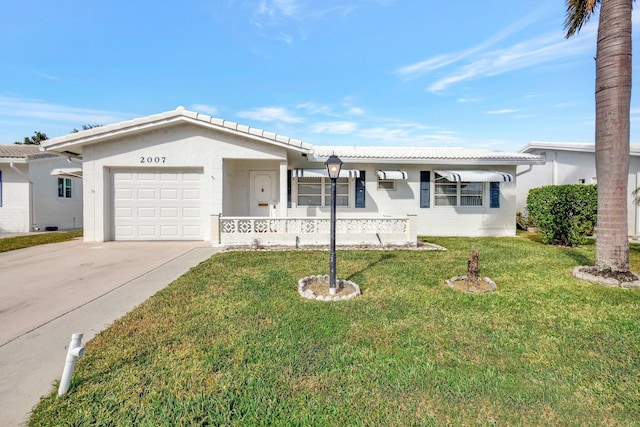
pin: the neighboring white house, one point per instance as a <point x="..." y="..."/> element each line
<point x="573" y="163"/>
<point x="31" y="198"/>
<point x="181" y="175"/>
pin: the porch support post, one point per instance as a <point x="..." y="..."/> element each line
<point x="282" y="210"/>
<point x="412" y="229"/>
<point x="216" y="238"/>
<point x="217" y="185"/>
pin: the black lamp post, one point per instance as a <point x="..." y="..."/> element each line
<point x="333" y="165"/>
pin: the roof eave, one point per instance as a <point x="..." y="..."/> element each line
<point x="438" y="161"/>
<point x="21" y="160"/>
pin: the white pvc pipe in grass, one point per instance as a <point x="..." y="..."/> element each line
<point x="74" y="351"/>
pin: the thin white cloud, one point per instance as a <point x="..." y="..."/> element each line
<point x="204" y="108"/>
<point x="270" y="114"/>
<point x="331" y="111"/>
<point x="442" y="60"/>
<point x="291" y="16"/>
<point x="485" y="59"/>
<point x="18" y="107"/>
<point x="406" y="137"/>
<point x="44" y="75"/>
<point x="468" y="100"/>
<point x="313" y="108"/>
<point x="341" y="128"/>
<point x="302" y="9"/>
<point x="355" y="111"/>
<point x="503" y="111"/>
<point x="536" y="51"/>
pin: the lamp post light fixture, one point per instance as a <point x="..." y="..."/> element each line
<point x="333" y="165"/>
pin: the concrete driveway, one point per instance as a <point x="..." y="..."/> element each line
<point x="49" y="292"/>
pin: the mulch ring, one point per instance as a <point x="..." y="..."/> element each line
<point x="480" y="286"/>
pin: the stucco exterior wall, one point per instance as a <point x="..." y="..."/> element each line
<point x="237" y="185"/>
<point x="570" y="167"/>
<point x="48" y="208"/>
<point x="14" y="212"/>
<point x="30" y="197"/>
<point x="561" y="167"/>
<point x="175" y="147"/>
<point x="432" y="221"/>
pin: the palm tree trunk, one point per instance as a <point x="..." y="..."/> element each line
<point x="613" y="99"/>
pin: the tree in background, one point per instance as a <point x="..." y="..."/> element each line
<point x="41" y="136"/>
<point x="35" y="139"/>
<point x="613" y="103"/>
<point x="86" y="127"/>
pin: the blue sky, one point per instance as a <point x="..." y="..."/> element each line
<point x="490" y="74"/>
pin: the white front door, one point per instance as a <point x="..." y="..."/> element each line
<point x="262" y="200"/>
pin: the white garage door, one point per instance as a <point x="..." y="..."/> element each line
<point x="157" y="204"/>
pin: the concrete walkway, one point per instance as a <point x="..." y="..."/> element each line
<point x="49" y="292"/>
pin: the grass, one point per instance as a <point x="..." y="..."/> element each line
<point x="232" y="343"/>
<point x="26" y="241"/>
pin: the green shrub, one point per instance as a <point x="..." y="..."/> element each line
<point x="522" y="220"/>
<point x="564" y="214"/>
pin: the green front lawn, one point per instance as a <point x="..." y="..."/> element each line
<point x="28" y="240"/>
<point x="232" y="343"/>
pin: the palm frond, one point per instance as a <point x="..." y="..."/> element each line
<point x="578" y="14"/>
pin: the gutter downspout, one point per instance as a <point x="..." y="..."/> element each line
<point x="527" y="170"/>
<point x="32" y="218"/>
<point x="71" y="160"/>
<point x="637" y="208"/>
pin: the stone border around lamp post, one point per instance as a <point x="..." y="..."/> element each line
<point x="345" y="289"/>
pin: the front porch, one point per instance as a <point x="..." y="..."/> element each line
<point x="313" y="231"/>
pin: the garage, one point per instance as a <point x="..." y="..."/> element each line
<point x="157" y="204"/>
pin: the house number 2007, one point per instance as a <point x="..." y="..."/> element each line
<point x="152" y="159"/>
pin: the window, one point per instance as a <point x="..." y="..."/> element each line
<point x="64" y="188"/>
<point x="317" y="192"/>
<point x="386" y="184"/>
<point x="449" y="193"/>
<point x="0" y="189"/>
<point x="471" y="193"/>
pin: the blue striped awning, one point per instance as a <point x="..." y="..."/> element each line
<point x="475" y="176"/>
<point x="322" y="173"/>
<point x="67" y="172"/>
<point x="392" y="174"/>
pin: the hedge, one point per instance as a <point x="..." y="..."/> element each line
<point x="564" y="214"/>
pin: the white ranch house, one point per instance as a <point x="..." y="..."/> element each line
<point x="574" y="163"/>
<point x="181" y="175"/>
<point x="38" y="190"/>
